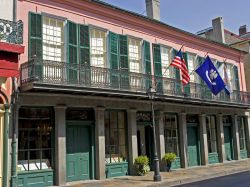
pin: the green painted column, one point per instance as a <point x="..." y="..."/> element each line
<point x="5" y="144"/>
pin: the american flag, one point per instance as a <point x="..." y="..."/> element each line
<point x="180" y="63"/>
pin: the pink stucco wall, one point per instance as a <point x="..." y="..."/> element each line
<point x="123" y="23"/>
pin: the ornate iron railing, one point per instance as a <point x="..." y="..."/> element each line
<point x="59" y="73"/>
<point x="11" y="32"/>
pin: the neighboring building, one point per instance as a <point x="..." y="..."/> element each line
<point x="84" y="112"/>
<point x="241" y="41"/>
<point x="11" y="39"/>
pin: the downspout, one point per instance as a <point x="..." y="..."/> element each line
<point x="14" y="112"/>
<point x="5" y="140"/>
<point x="14" y="10"/>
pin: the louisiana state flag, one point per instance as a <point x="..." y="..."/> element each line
<point x="208" y="72"/>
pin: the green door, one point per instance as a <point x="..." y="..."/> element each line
<point x="228" y="142"/>
<point x="78" y="152"/>
<point x="193" y="146"/>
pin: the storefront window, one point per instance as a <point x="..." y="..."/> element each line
<point x="115" y="137"/>
<point x="35" y="135"/>
<point x="211" y="134"/>
<point x="171" y="134"/>
<point x="242" y="135"/>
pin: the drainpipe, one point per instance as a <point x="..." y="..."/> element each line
<point x="14" y="10"/>
<point x="14" y="112"/>
<point x="5" y="140"/>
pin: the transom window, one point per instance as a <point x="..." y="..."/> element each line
<point x="98" y="48"/>
<point x="115" y="137"/>
<point x="171" y="133"/>
<point x="242" y="135"/>
<point x="53" y="39"/>
<point x="134" y="46"/>
<point x="36" y="133"/>
<point x="211" y="134"/>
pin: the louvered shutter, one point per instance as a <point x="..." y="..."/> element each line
<point x="72" y="65"/>
<point x="113" y="57"/>
<point x="236" y="78"/>
<point x="84" y="54"/>
<point x="158" y="68"/>
<point x="123" y="61"/>
<point x="187" y="86"/>
<point x="147" y="64"/>
<point x="35" y="44"/>
<point x="178" y="89"/>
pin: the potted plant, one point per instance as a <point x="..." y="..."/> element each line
<point x="142" y="166"/>
<point x="168" y="158"/>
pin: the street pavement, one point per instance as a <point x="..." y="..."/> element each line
<point x="176" y="177"/>
<point x="234" y="180"/>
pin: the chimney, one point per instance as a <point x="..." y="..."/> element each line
<point x="153" y="9"/>
<point x="218" y="30"/>
<point x="242" y="30"/>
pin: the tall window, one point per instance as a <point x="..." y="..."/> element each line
<point x="98" y="48"/>
<point x="242" y="135"/>
<point x="35" y="131"/>
<point x="53" y="47"/>
<point x="167" y="71"/>
<point x="192" y="65"/>
<point x="115" y="136"/>
<point x="171" y="133"/>
<point x="134" y="47"/>
<point x="53" y="39"/>
<point x="211" y="134"/>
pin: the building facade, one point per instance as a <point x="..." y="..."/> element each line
<point x="10" y="49"/>
<point x="83" y="110"/>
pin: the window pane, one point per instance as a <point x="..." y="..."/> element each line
<point x="121" y="120"/>
<point x="98" y="48"/>
<point x="116" y="148"/>
<point x="171" y="134"/>
<point x="35" y="138"/>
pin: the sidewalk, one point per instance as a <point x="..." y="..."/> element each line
<point x="176" y="177"/>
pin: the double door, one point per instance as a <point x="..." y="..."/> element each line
<point x="228" y="142"/>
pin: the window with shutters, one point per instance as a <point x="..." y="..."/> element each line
<point x="135" y="61"/>
<point x="98" y="48"/>
<point x="211" y="133"/>
<point x="171" y="133"/>
<point x="53" y="47"/>
<point x="192" y="64"/>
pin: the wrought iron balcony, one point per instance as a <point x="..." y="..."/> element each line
<point x="76" y="78"/>
<point x="11" y="32"/>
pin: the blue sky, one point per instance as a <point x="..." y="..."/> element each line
<point x="195" y="15"/>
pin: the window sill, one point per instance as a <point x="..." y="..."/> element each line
<point x="35" y="171"/>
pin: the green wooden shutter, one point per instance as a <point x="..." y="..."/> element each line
<point x="72" y="52"/>
<point x="186" y="87"/>
<point x="177" y="76"/>
<point x="35" y="43"/>
<point x="113" y="57"/>
<point x="158" y="67"/>
<point x="84" y="54"/>
<point x="236" y="78"/>
<point x="147" y="64"/>
<point x="123" y="59"/>
<point x="84" y="45"/>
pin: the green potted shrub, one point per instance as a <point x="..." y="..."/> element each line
<point x="142" y="165"/>
<point x="168" y="158"/>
